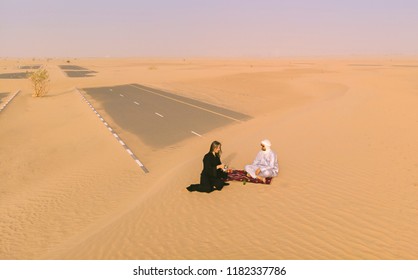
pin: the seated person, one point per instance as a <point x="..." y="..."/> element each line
<point x="265" y="163"/>
<point x="213" y="176"/>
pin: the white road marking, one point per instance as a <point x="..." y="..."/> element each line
<point x="159" y="115"/>
<point x="191" y="105"/>
<point x="136" y="103"/>
<point x="121" y="95"/>
<point x="114" y="133"/>
<point x="195" y="133"/>
<point x="8" y="101"/>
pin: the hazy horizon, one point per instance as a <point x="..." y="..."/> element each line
<point x="187" y="28"/>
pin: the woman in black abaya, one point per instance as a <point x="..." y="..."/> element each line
<point x="212" y="176"/>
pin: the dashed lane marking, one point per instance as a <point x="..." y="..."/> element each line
<point x="191" y="105"/>
<point x="197" y="134"/>
<point x="127" y="149"/>
<point x="8" y="101"/>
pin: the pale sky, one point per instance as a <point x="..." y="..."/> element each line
<point x="187" y="28"/>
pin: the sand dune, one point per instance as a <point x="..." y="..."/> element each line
<point x="345" y="131"/>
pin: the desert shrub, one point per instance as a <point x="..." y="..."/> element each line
<point x="40" y="82"/>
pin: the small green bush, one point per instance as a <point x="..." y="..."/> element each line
<point x="40" y="82"/>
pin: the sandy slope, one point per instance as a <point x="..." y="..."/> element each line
<point x="344" y="130"/>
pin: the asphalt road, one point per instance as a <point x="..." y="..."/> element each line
<point x="3" y="95"/>
<point x="20" y="75"/>
<point x="74" y="71"/>
<point x="157" y="117"/>
<point x="80" y="74"/>
<point x="72" y="67"/>
<point x="30" y="67"/>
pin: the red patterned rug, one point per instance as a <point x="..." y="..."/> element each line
<point x="241" y="175"/>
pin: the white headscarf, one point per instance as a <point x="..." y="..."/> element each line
<point x="266" y="144"/>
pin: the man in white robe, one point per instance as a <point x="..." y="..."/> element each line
<point x="265" y="163"/>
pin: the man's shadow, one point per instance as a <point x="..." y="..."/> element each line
<point x="229" y="158"/>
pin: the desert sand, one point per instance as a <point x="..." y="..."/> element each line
<point x="345" y="131"/>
